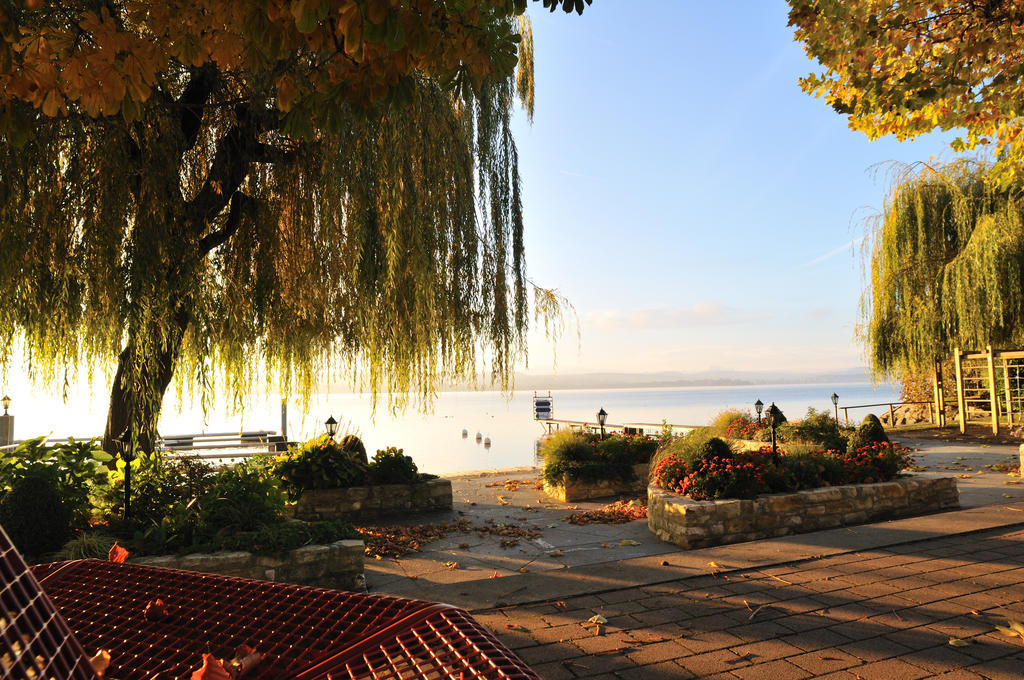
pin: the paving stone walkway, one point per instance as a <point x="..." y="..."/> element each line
<point x="877" y="614"/>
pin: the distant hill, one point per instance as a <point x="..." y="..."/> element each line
<point x="527" y="382"/>
<point x="583" y="381"/>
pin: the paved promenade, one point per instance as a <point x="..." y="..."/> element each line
<point x="879" y="601"/>
<point x="887" y="613"/>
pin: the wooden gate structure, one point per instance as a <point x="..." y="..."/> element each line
<point x="989" y="384"/>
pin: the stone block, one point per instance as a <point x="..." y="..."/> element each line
<point x="690" y="524"/>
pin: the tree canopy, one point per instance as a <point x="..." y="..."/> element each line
<point x="906" y="67"/>
<point x="947" y="268"/>
<point x="230" y="188"/>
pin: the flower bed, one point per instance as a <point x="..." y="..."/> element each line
<point x="579" y="466"/>
<point x="372" y="502"/>
<point x="334" y="565"/>
<point x="691" y="523"/>
<point x="570" y="489"/>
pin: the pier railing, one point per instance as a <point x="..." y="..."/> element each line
<point x="648" y="429"/>
<point x="228" y="446"/>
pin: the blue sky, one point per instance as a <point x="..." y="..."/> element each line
<point x="698" y="209"/>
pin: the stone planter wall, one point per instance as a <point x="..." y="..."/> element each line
<point x="335" y="565"/>
<point x="372" y="502"/>
<point x="571" y="490"/>
<point x="697" y="524"/>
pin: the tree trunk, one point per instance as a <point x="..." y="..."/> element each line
<point x="136" y="395"/>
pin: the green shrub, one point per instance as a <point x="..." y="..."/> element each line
<point x="635" y="449"/>
<point x="580" y="457"/>
<point x="714" y="449"/>
<point x="244" y="497"/>
<point x="817" y="427"/>
<point x="159" y="483"/>
<point x="36" y="518"/>
<point x="721" y="424"/>
<point x="353" y="444"/>
<point x="870" y="432"/>
<point x="320" y="464"/>
<point x="872" y="418"/>
<point x="86" y="545"/>
<point x="392" y="466"/>
<point x="684" y="445"/>
<point x="74" y="468"/>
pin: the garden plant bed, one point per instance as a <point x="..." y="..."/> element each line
<point x="373" y="502"/>
<point x="336" y="565"/>
<point x="571" y="490"/>
<point x="696" y="524"/>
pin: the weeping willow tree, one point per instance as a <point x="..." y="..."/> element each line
<point x="947" y="268"/>
<point x="240" y="190"/>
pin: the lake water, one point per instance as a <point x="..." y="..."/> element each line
<point x="435" y="440"/>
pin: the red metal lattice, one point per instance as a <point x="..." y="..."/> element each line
<point x="35" y="642"/>
<point x="304" y="633"/>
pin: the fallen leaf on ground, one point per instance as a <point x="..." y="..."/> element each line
<point x="628" y="541"/>
<point x="212" y="669"/>
<point x="155" y="610"/>
<point x="561" y="605"/>
<point x="523" y="570"/>
<point x="495" y="575"/>
<point x="570" y="664"/>
<point x="100" y="662"/>
<point x="117" y="554"/>
<point x="957" y="642"/>
<point x="618" y="512"/>
<point x="1012" y="629"/>
<point x="596" y="620"/>
<point x="246" y="658"/>
<point x="504" y="501"/>
<point x="556" y="553"/>
<point x="513" y="626"/>
<point x="451" y="565"/>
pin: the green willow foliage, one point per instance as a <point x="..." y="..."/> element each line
<point x="239" y="245"/>
<point x="946" y="268"/>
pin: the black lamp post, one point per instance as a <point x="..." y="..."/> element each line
<point x="774" y="418"/>
<point x="835" y="403"/>
<point x="332" y="427"/>
<point x="126" y="444"/>
<point x="757" y="407"/>
<point x="6" y="401"/>
<point x="602" y="418"/>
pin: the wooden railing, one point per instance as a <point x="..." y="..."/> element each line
<point x="932" y="414"/>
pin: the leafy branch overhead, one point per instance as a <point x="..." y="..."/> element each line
<point x="907" y="67"/>
<point x="220" y="190"/>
